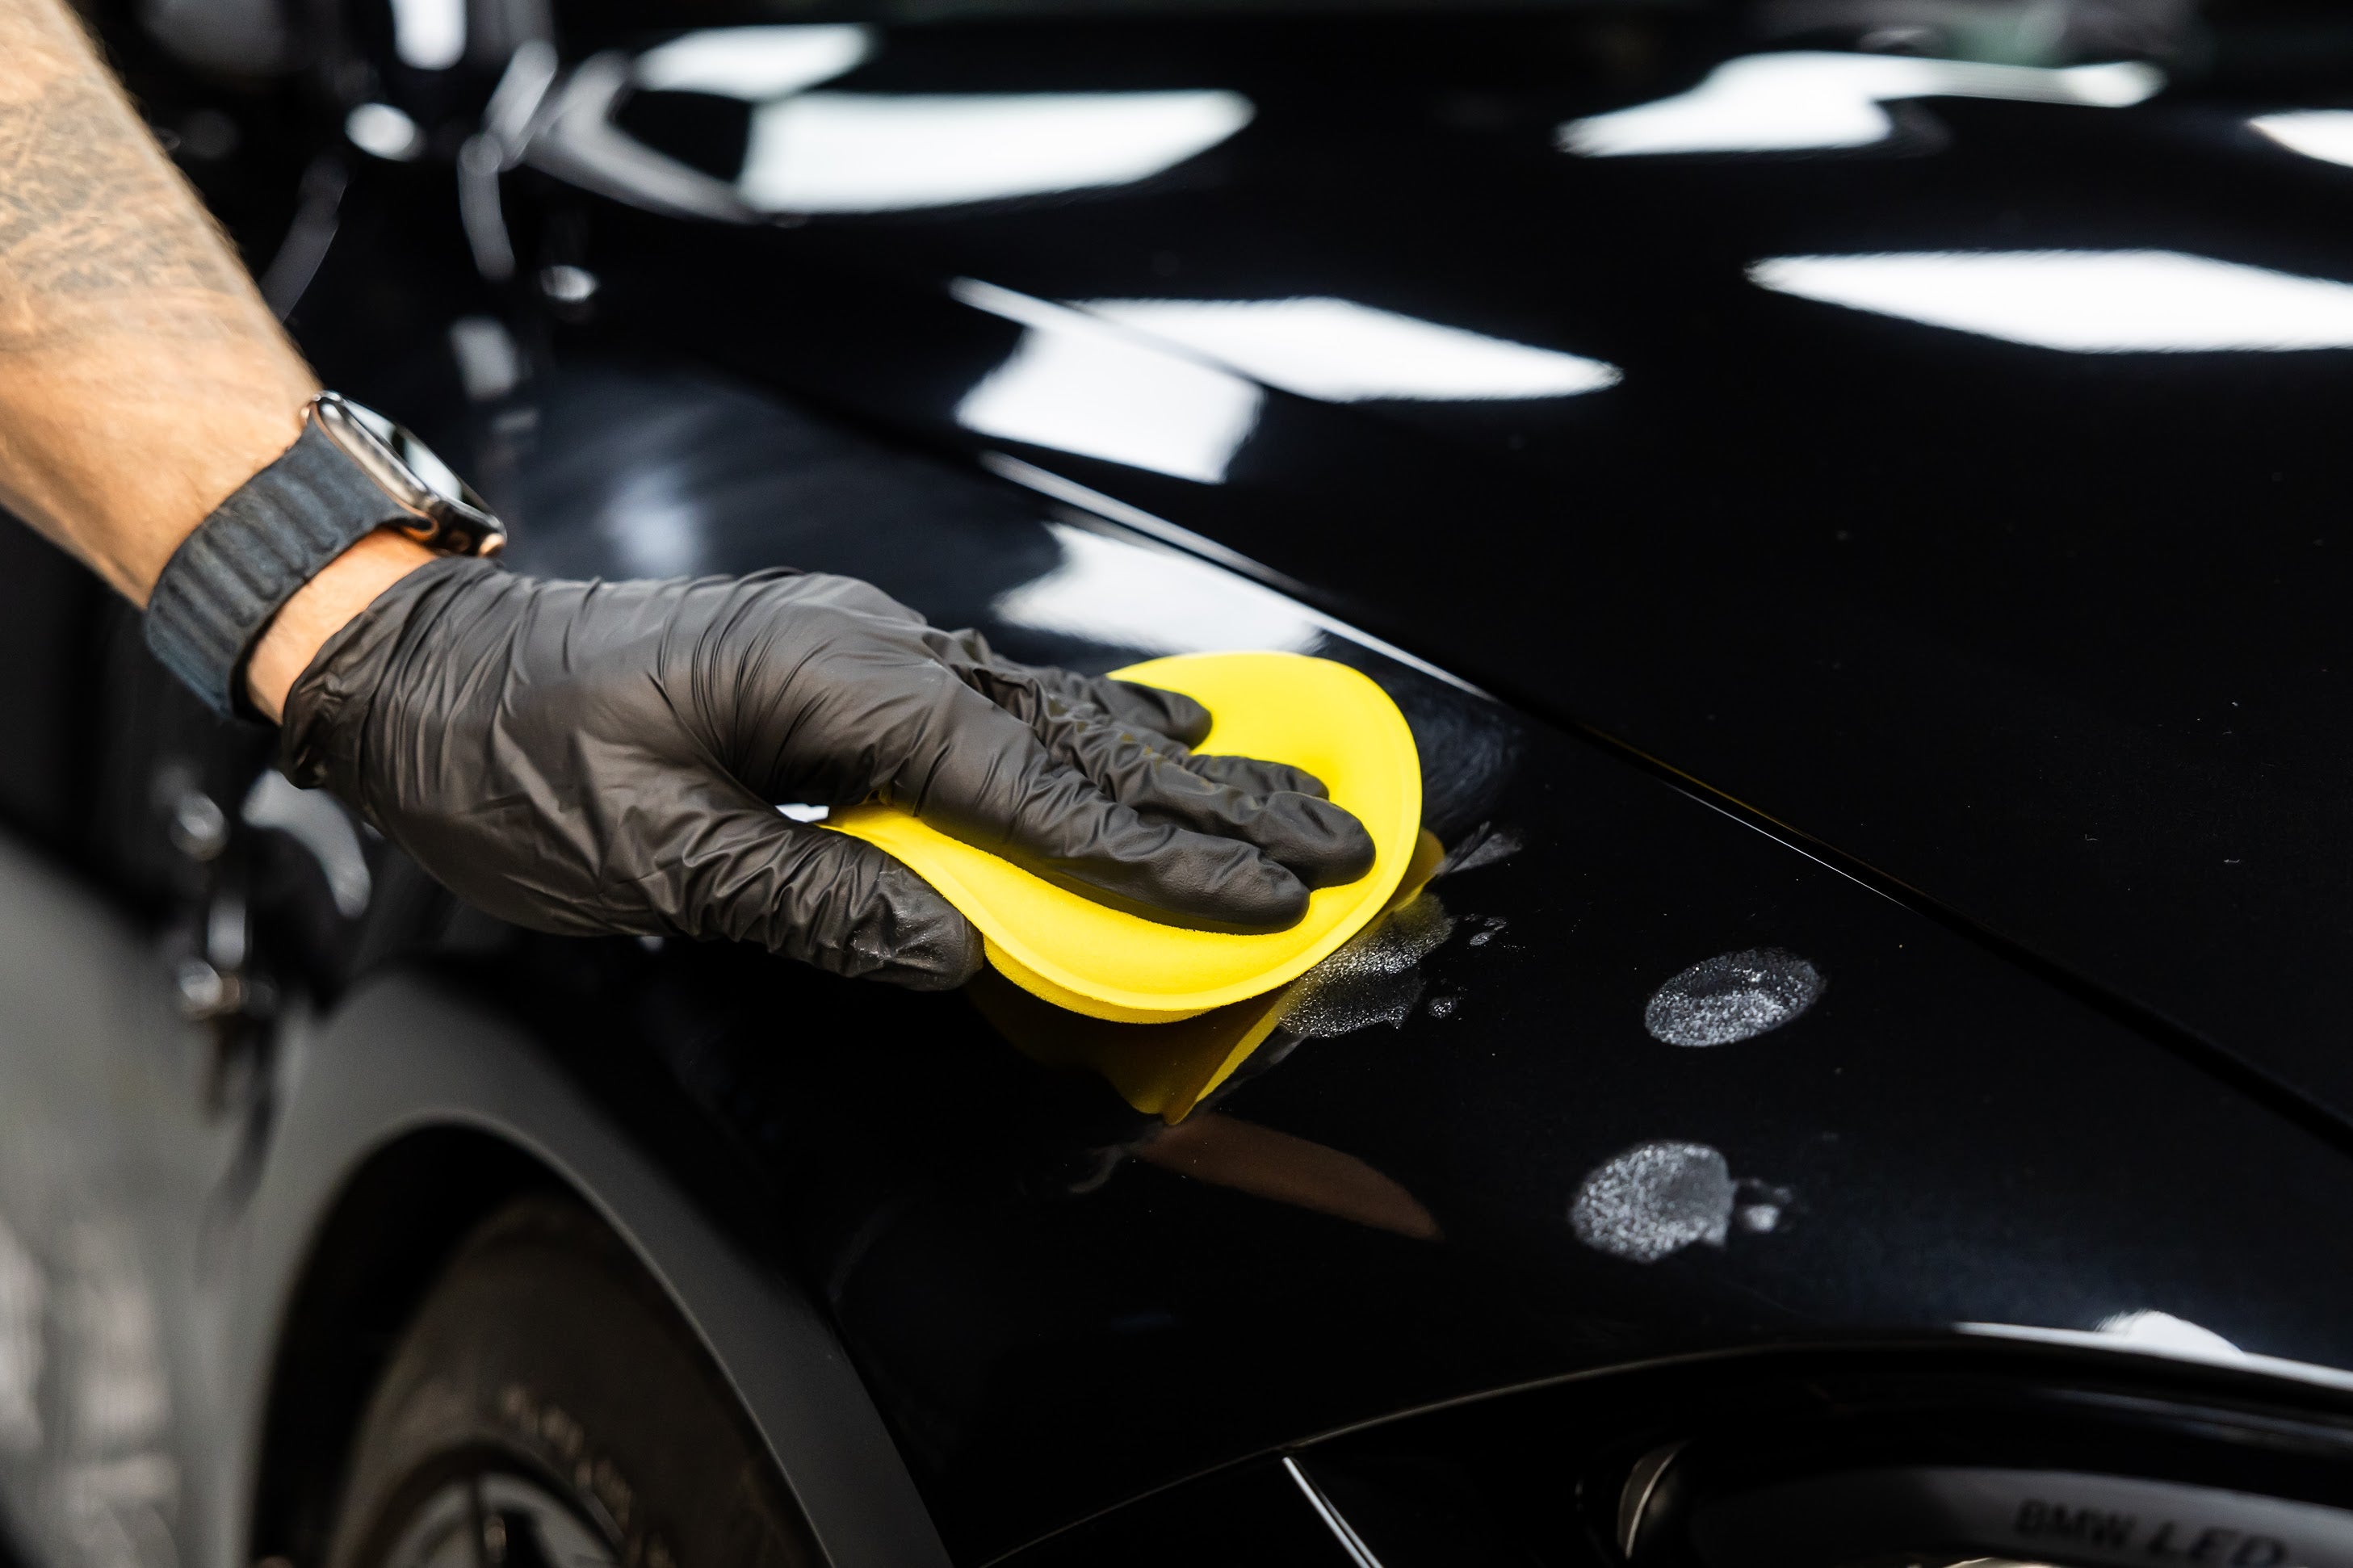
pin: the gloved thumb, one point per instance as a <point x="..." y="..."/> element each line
<point x="747" y="874"/>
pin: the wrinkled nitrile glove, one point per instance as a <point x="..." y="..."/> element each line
<point x="603" y="757"/>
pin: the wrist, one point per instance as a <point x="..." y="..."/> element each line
<point x="323" y="607"/>
<point x="294" y="554"/>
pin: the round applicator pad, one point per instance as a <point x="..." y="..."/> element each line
<point x="1076" y="954"/>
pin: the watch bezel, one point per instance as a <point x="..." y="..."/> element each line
<point x="386" y="452"/>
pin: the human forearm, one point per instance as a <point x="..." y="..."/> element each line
<point x="584" y="758"/>
<point x="142" y="378"/>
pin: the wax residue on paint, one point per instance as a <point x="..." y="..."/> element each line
<point x="1657" y="1198"/>
<point x="1375" y="979"/>
<point x="1654" y="1200"/>
<point x="1486" y="845"/>
<point x="1734" y="997"/>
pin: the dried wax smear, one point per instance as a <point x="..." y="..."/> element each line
<point x="1658" y="1197"/>
<point x="1655" y="1199"/>
<point x="1736" y="997"/>
<point x="1373" y="978"/>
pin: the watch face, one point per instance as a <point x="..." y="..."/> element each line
<point x="450" y="516"/>
<point x="431" y="473"/>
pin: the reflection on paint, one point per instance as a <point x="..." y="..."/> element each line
<point x="118" y="1490"/>
<point x="754" y="63"/>
<point x="315" y="819"/>
<point x="2185" y="1343"/>
<point x="2081" y="301"/>
<point x="1286" y="1169"/>
<point x="2323" y="133"/>
<point x="1737" y="996"/>
<point x="24" y="1299"/>
<point x="1807" y="100"/>
<point x="1080" y="385"/>
<point x="654" y="528"/>
<point x="861" y="152"/>
<point x="1161" y="1070"/>
<point x="1653" y="1200"/>
<point x="2153" y="1330"/>
<point x="383" y="131"/>
<point x="1341" y="352"/>
<point x="1126" y="595"/>
<point x="430" y="35"/>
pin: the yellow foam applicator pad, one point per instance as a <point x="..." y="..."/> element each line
<point x="1076" y="954"/>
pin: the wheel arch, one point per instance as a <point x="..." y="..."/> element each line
<point x="384" y="1240"/>
<point x="407" y="1116"/>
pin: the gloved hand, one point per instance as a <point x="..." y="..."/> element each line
<point x="593" y="757"/>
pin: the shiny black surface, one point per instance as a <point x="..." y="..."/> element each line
<point x="1025" y="1268"/>
<point x="1913" y="593"/>
<point x="2048" y="635"/>
<point x="1967" y="618"/>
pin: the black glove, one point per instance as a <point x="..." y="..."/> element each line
<point x="598" y="757"/>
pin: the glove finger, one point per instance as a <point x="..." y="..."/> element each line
<point x="1176" y="722"/>
<point x="742" y="872"/>
<point x="1316" y="841"/>
<point x="1305" y="834"/>
<point x="981" y="775"/>
<point x="1170" y="713"/>
<point x="1255" y="777"/>
<point x="1059" y="704"/>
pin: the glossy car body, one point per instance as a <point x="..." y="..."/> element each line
<point x="1950" y="644"/>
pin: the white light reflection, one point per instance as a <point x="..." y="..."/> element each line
<point x="855" y="153"/>
<point x="312" y="819"/>
<point x="383" y="131"/>
<point x="1128" y="596"/>
<point x="2186" y="1342"/>
<point x="1079" y="384"/>
<point x="754" y="63"/>
<point x="2153" y="1330"/>
<point x="1341" y="351"/>
<point x="430" y="35"/>
<point x="1807" y="99"/>
<point x="2081" y="301"/>
<point x="2323" y="133"/>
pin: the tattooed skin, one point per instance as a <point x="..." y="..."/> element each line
<point x="142" y="379"/>
<point x="87" y="202"/>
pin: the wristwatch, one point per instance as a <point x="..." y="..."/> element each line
<point x="351" y="472"/>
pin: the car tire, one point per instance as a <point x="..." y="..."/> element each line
<point x="547" y="1407"/>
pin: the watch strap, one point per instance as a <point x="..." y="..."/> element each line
<point x="228" y="579"/>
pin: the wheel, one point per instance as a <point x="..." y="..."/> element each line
<point x="545" y="1409"/>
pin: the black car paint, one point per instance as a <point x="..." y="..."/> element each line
<point x="1049" y="1320"/>
<point x="1824" y="562"/>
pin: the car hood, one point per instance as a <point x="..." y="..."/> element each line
<point x="1630" y="1079"/>
<point x="1984" y="696"/>
<point x="1941" y="485"/>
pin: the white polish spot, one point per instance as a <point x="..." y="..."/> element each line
<point x="1734" y="997"/>
<point x="1654" y="1200"/>
<point x="1375" y="978"/>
